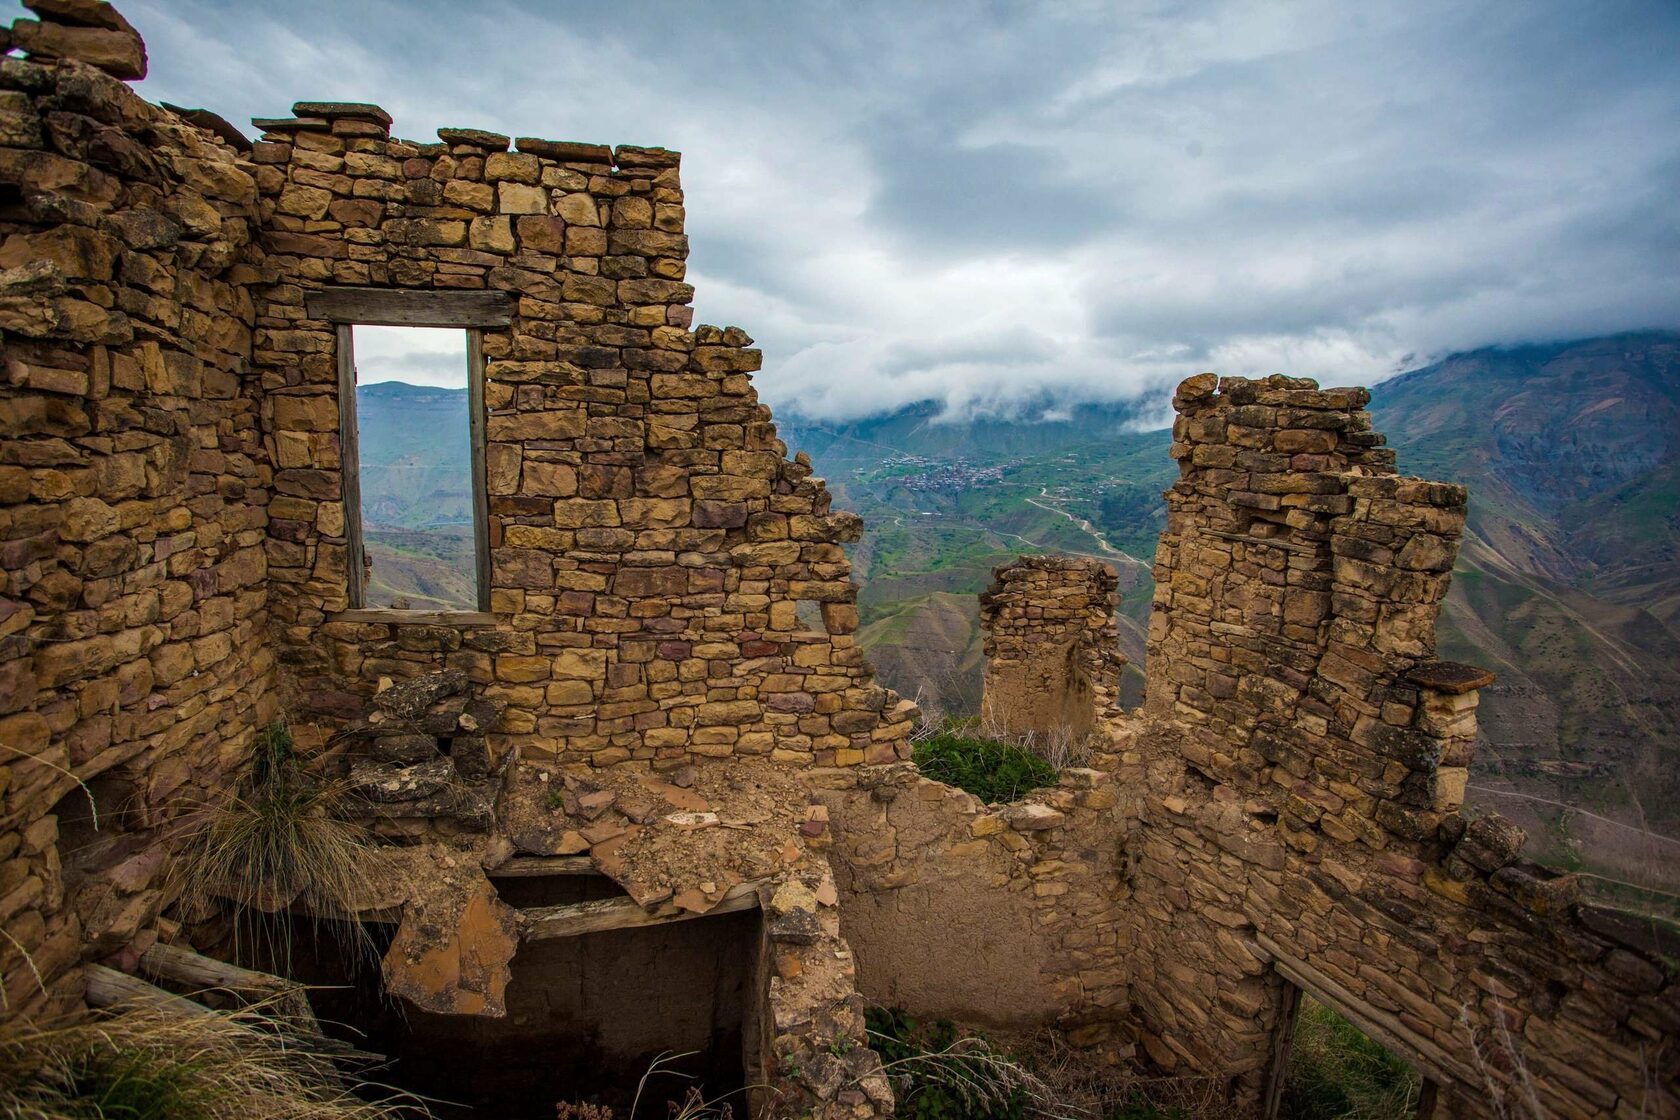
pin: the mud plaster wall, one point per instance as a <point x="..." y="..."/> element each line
<point x="1051" y="644"/>
<point x="1000" y="916"/>
<point x="649" y="539"/>
<point x="1300" y="780"/>
<point x="133" y="501"/>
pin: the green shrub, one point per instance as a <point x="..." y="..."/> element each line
<point x="988" y="768"/>
<point x="280" y="835"/>
<point x="1336" y="1073"/>
<point x="941" y="1073"/>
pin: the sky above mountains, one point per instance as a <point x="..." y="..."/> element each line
<point x="989" y="204"/>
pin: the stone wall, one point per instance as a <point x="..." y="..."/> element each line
<point x="1301" y="780"/>
<point x="650" y="541"/>
<point x="1052" y="647"/>
<point x="1009" y="917"/>
<point x="133" y="492"/>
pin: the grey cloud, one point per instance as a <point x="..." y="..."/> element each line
<point x="992" y="205"/>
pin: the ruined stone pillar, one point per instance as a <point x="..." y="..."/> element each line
<point x="1052" y="659"/>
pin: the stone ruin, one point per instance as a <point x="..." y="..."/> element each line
<point x="1051" y="645"/>
<point x="656" y="761"/>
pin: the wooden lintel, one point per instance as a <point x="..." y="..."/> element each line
<point x="526" y="867"/>
<point x="1377" y="1024"/>
<point x="542" y="923"/>
<point x="405" y="307"/>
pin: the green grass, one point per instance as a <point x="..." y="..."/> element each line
<point x="942" y="1073"/>
<point x="1337" y="1073"/>
<point x="990" y="769"/>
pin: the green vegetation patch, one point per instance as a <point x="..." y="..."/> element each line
<point x="1336" y="1073"/>
<point x="941" y="1073"/>
<point x="990" y="769"/>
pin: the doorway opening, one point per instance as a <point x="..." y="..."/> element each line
<point x="588" y="1016"/>
<point x="1332" y="1070"/>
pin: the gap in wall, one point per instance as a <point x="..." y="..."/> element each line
<point x="586" y="1016"/>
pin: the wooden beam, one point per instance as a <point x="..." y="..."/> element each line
<point x="476" y="373"/>
<point x="1377" y="1024"/>
<point x="1428" y="1097"/>
<point x="1283" y="1046"/>
<point x="106" y="987"/>
<point x="349" y="460"/>
<point x="198" y="972"/>
<point x="522" y="867"/>
<point x="403" y="307"/>
<point x="544" y="922"/>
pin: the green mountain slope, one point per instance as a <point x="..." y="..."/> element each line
<point x="1568" y="585"/>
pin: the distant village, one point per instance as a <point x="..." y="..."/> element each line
<point x="935" y="474"/>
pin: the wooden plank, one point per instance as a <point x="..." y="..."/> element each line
<point x="198" y="972"/>
<point x="390" y="617"/>
<point x="544" y="922"/>
<point x="480" y="483"/>
<point x="1377" y="1024"/>
<point x="349" y="454"/>
<point x="1428" y="1097"/>
<point x="106" y="987"/>
<point x="401" y="307"/>
<point x="1283" y="1046"/>
<point x="522" y="867"/>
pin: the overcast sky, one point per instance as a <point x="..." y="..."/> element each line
<point x="983" y="204"/>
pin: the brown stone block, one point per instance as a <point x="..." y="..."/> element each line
<point x="119" y="52"/>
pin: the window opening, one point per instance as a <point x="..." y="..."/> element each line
<point x="416" y="472"/>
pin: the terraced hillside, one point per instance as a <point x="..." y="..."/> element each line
<point x="1568" y="585"/>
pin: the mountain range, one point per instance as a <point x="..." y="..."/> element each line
<point x="1567" y="584"/>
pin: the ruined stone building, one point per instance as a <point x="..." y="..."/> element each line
<point x="660" y="710"/>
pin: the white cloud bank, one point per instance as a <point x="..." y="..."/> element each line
<point x="988" y="204"/>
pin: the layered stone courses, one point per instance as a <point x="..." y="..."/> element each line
<point x="1285" y="809"/>
<point x="1053" y="661"/>
<point x="1301" y="774"/>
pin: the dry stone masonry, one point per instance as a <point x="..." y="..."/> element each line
<point x="1052" y="646"/>
<point x="649" y="697"/>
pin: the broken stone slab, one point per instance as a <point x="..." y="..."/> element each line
<point x="1452" y="677"/>
<point x="403" y="749"/>
<point x="120" y="54"/>
<point x="291" y="124"/>
<point x="796" y="927"/>
<point x="471" y="805"/>
<point x="453" y="956"/>
<point x="410" y="698"/>
<point x="476" y="137"/>
<point x="213" y="123"/>
<point x="81" y="13"/>
<point x="629" y="155"/>
<point x="1490" y="842"/>
<point x="565" y="151"/>
<point x="385" y="783"/>
<point x="1033" y="817"/>
<point x="333" y="110"/>
<point x="471" y="755"/>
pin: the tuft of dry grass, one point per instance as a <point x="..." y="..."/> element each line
<point x="280" y="836"/>
<point x="142" y="1063"/>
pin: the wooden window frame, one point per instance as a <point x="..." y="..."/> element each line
<point x="471" y="312"/>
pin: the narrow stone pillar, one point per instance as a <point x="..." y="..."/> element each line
<point x="1051" y="644"/>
